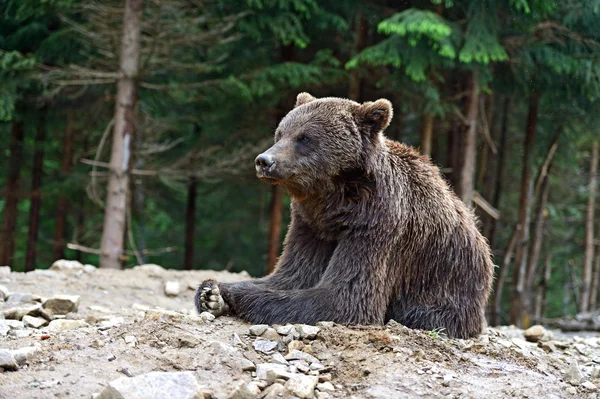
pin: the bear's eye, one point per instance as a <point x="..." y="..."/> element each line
<point x="302" y="138"/>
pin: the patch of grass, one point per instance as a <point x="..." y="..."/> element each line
<point x="437" y="333"/>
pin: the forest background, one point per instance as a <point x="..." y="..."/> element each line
<point x="167" y="102"/>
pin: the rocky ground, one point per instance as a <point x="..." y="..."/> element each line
<point x="74" y="331"/>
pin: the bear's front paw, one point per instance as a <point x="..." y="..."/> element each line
<point x="208" y="299"/>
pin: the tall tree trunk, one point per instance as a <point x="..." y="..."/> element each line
<point x="360" y="39"/>
<point x="595" y="281"/>
<point x="36" y="195"/>
<point x="190" y="223"/>
<point x="501" y="280"/>
<point x="491" y="234"/>
<point x="519" y="276"/>
<point x="426" y="133"/>
<point x="588" y="257"/>
<point x="274" y="227"/>
<point x="466" y="173"/>
<point x="62" y="205"/>
<point x="81" y="211"/>
<point x="9" y="219"/>
<point x="118" y="182"/>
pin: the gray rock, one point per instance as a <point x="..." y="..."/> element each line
<point x="279" y="359"/>
<point x="207" y="317"/>
<point x="303" y="386"/>
<point x="89" y="268"/>
<point x="188" y="341"/>
<point x="325" y="387"/>
<point x="244" y="390"/>
<point x="237" y="341"/>
<point x="4" y="329"/>
<point x="4" y="271"/>
<point x="64" y="325"/>
<point x="151" y="269"/>
<point x="258" y="329"/>
<point x="63" y="265"/>
<point x="4" y="293"/>
<point x="7" y="360"/>
<point x="13" y="324"/>
<point x="20" y="333"/>
<point x="20" y="297"/>
<point x="590" y="386"/>
<point x="110" y="323"/>
<point x="17" y="312"/>
<point x="286" y="330"/>
<point x="307" y="332"/>
<point x="155" y="385"/>
<point x="264" y="345"/>
<point x="24" y="355"/>
<point x="271" y="334"/>
<point x="62" y="304"/>
<point x="230" y="356"/>
<point x="172" y="288"/>
<point x="573" y="375"/>
<point x="299" y="355"/>
<point x="34" y="322"/>
<point x="263" y="368"/>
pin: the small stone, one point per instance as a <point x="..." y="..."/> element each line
<point x="572" y="391"/>
<point x="20" y="333"/>
<point x="447" y="380"/>
<point x="303" y="386"/>
<point x="322" y="395"/>
<point x="62" y="304"/>
<point x="4" y="329"/>
<point x="245" y="391"/>
<point x="111" y="357"/>
<point x="307" y="332"/>
<point x="271" y="334"/>
<point x="263" y="368"/>
<point x="20" y="297"/>
<point x="326" y="324"/>
<point x="4" y="271"/>
<point x="100" y="309"/>
<point x="547" y="346"/>
<point x="13" y="324"/>
<point x="151" y="270"/>
<point x="207" y="317"/>
<point x="97" y="343"/>
<point x="63" y="265"/>
<point x="237" y="341"/>
<point x="286" y="330"/>
<point x="63" y="325"/>
<point x="89" y="268"/>
<point x="34" y="322"/>
<point x="279" y="359"/>
<point x="325" y="387"/>
<point x="17" y="312"/>
<point x="26" y="354"/>
<point x="296" y="345"/>
<point x="275" y="391"/>
<point x="230" y="356"/>
<point x="172" y="288"/>
<point x="590" y="386"/>
<point x="573" y="375"/>
<point x="299" y="355"/>
<point x="264" y="346"/>
<point x="4" y="293"/>
<point x="534" y="333"/>
<point x="154" y="385"/>
<point x="130" y="340"/>
<point x="258" y="329"/>
<point x="7" y="360"/>
<point x="110" y="323"/>
<point x="188" y="341"/>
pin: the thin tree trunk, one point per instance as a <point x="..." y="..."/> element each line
<point x="9" y="219"/>
<point x="274" y="227"/>
<point x="62" y="205"/>
<point x="541" y="193"/>
<point x="36" y="195"/>
<point x="519" y="276"/>
<point x="426" y="133"/>
<point x="81" y="213"/>
<point x="360" y="39"/>
<point x="466" y="175"/>
<point x="118" y="182"/>
<point x="491" y="234"/>
<point x="501" y="280"/>
<point x="588" y="257"/>
<point x="540" y="308"/>
<point x="190" y="223"/>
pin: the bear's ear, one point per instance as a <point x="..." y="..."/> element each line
<point x="303" y="98"/>
<point x="375" y="116"/>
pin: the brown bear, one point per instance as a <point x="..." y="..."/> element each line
<point x="375" y="233"/>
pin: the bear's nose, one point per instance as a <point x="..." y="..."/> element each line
<point x="263" y="161"/>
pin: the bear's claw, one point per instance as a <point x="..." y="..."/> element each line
<point x="209" y="299"/>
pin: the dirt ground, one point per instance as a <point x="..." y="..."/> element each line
<point x="126" y="336"/>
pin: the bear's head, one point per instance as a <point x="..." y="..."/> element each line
<point x="321" y="139"/>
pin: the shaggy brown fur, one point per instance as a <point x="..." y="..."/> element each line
<point x="376" y="233"/>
